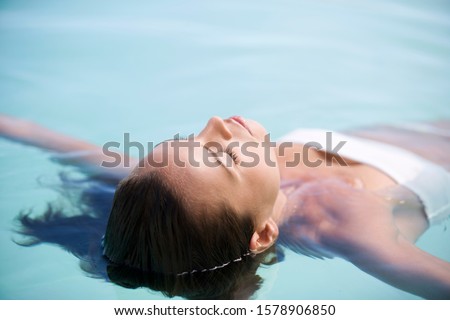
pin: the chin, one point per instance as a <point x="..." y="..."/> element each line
<point x="257" y="129"/>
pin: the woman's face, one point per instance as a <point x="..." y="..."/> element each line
<point x="230" y="161"/>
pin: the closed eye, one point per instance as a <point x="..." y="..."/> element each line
<point x="228" y="151"/>
<point x="232" y="154"/>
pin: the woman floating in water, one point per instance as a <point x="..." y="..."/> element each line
<point x="196" y="217"/>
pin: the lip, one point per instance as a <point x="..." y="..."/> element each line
<point x="241" y="121"/>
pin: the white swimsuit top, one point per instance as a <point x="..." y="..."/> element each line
<point x="426" y="179"/>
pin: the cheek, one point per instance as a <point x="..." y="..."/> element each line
<point x="259" y="157"/>
<point x="266" y="179"/>
<point x="271" y="175"/>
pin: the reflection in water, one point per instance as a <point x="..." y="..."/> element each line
<point x="235" y="281"/>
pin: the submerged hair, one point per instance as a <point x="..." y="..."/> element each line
<point x="151" y="238"/>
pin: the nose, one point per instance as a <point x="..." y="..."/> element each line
<point x="217" y="127"/>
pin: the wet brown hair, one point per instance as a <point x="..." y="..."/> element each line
<point x="152" y="237"/>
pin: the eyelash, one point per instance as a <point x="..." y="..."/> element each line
<point x="228" y="150"/>
<point x="232" y="154"/>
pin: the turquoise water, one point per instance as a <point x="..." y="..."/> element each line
<point x="97" y="70"/>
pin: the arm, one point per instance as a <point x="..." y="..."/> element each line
<point x="89" y="156"/>
<point x="358" y="225"/>
<point x="406" y="267"/>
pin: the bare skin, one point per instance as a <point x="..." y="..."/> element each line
<point x="342" y="209"/>
<point x="375" y="234"/>
<point x="409" y="217"/>
<point x="90" y="158"/>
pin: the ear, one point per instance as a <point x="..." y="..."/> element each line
<point x="263" y="238"/>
